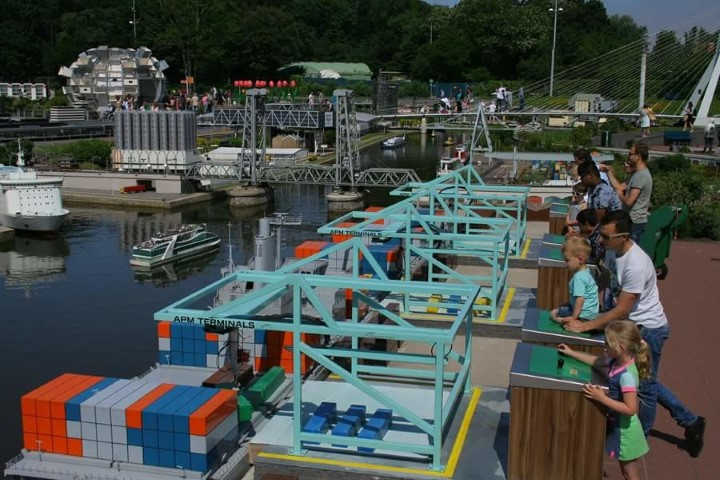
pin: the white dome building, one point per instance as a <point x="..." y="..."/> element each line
<point x="102" y="74"/>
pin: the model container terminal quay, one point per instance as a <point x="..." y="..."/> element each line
<point x="351" y="359"/>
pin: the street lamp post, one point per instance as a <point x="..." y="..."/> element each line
<point x="552" y="61"/>
<point x="133" y="22"/>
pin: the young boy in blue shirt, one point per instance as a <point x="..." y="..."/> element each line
<point x="584" y="300"/>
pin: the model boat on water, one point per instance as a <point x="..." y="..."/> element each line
<point x="186" y="241"/>
<point x="29" y="202"/>
<point x="393" y="142"/>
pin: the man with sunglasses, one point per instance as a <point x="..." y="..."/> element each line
<point x="635" y="195"/>
<point x="639" y="301"/>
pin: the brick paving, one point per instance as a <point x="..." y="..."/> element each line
<point x="691" y="297"/>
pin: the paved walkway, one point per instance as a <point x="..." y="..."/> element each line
<point x="689" y="363"/>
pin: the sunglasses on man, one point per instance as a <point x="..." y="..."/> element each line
<point x="614" y="235"/>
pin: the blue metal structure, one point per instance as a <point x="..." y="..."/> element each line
<point x="462" y="192"/>
<point x="427" y="236"/>
<point x="436" y="240"/>
<point x="369" y="292"/>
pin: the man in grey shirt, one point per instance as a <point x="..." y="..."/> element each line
<point x="635" y="194"/>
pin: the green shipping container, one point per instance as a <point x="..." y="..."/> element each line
<point x="244" y="409"/>
<point x="265" y="386"/>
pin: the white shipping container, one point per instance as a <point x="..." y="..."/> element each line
<point x="74" y="429"/>
<point x="104" y="433"/>
<point x="135" y="454"/>
<point x="102" y="411"/>
<point x="87" y="408"/>
<point x="90" y="448"/>
<point x="117" y="412"/>
<point x="164" y="344"/>
<point x="104" y="450"/>
<point x="119" y="452"/>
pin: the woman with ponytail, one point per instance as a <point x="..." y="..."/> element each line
<point x="627" y="362"/>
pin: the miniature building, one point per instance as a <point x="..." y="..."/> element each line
<point x="33" y="91"/>
<point x="101" y="75"/>
<point x="591" y="103"/>
<point x="155" y="141"/>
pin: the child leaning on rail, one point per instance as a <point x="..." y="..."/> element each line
<point x="584" y="302"/>
<point x="627" y="361"/>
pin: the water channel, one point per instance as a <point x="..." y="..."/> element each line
<point x="71" y="303"/>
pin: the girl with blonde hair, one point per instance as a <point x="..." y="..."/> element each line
<point x="627" y="361"/>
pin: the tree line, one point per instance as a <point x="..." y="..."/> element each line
<point x="217" y="41"/>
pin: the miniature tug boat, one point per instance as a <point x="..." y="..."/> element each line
<point x="172" y="245"/>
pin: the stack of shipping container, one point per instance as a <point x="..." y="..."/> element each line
<point x="190" y="345"/>
<point x="133" y="421"/>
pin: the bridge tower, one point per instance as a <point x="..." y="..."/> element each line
<point x="252" y="155"/>
<point x="253" y="136"/>
<point x="347" y="148"/>
<point x="480" y="132"/>
<point x="705" y="90"/>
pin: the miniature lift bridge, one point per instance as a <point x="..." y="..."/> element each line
<point x="251" y="165"/>
<point x="309" y="313"/>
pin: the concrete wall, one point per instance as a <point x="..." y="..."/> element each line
<point x="554" y="191"/>
<point x="114" y="181"/>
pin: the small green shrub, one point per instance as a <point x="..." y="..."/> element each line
<point x="91" y="151"/>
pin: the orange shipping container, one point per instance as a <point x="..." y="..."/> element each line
<point x="29" y="424"/>
<point x="44" y="443"/>
<point x="28" y="402"/>
<point x="59" y="427"/>
<point x="60" y="445"/>
<point x="210" y="415"/>
<point x="373" y="210"/>
<point x="57" y="404"/>
<point x="338" y="238"/>
<point x="163" y="329"/>
<point x="133" y="413"/>
<point x="30" y="441"/>
<point x="44" y="426"/>
<point x="309" y="248"/>
<point x="75" y="447"/>
<point x="43" y="401"/>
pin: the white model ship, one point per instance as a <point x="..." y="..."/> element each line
<point x="172" y="245"/>
<point x="28" y="202"/>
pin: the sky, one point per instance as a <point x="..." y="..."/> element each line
<point x="658" y="14"/>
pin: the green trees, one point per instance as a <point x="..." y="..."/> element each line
<point x="219" y="40"/>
